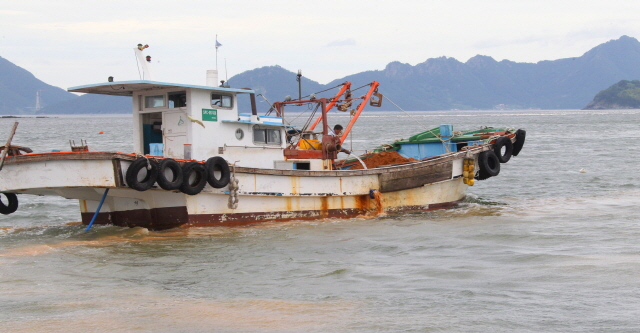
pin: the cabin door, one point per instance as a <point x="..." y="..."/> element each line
<point x="151" y="133"/>
<point x="175" y="133"/>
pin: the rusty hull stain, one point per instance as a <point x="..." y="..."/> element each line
<point x="171" y="217"/>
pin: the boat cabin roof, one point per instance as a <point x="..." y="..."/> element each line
<point x="127" y="88"/>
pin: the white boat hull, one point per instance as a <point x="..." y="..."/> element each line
<point x="263" y="195"/>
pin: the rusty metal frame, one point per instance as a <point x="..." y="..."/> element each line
<point x="331" y="145"/>
<point x="345" y="87"/>
<point x="374" y="87"/>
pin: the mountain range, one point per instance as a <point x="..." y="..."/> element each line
<point x="480" y="83"/>
<point x="437" y="84"/>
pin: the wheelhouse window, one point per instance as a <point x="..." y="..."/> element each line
<point x="221" y="100"/>
<point x="267" y="135"/>
<point x="156" y="101"/>
<point x="177" y="99"/>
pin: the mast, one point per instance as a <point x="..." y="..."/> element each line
<point x="145" y="62"/>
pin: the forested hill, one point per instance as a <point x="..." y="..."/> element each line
<point x="622" y="95"/>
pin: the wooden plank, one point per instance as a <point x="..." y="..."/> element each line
<point x="6" y="146"/>
<point x="70" y="156"/>
<point x="391" y="170"/>
<point x="117" y="173"/>
<point x="417" y="177"/>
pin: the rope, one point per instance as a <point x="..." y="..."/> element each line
<point x="366" y="85"/>
<point x="321" y="91"/>
<point x="410" y="116"/>
<point x="301" y="113"/>
<point x="146" y="158"/>
<point x="271" y="108"/>
<point x="137" y="64"/>
<point x="234" y="186"/>
<point x="306" y="124"/>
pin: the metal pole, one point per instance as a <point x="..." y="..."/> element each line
<point x="299" y="84"/>
<point x="254" y="109"/>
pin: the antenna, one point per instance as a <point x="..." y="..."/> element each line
<point x="226" y="74"/>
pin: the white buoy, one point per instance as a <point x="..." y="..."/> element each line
<point x="583" y="170"/>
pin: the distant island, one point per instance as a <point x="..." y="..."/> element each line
<point x="25" y="117"/>
<point x="622" y="95"/>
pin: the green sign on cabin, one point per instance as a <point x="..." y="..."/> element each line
<point x="209" y="114"/>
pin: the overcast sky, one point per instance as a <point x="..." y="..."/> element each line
<point x="75" y="42"/>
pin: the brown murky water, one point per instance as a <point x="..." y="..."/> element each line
<point x="541" y="247"/>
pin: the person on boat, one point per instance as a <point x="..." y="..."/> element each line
<point x="337" y="131"/>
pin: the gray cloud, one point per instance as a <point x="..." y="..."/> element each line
<point x="342" y="42"/>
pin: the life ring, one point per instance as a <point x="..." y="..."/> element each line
<point x="175" y="172"/>
<point x="489" y="165"/>
<point x="133" y="176"/>
<point x="194" y="178"/>
<point x="12" y="204"/>
<point x="218" y="166"/>
<point x="520" y="137"/>
<point x="503" y="142"/>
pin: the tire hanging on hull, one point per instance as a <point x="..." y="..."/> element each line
<point x="133" y="174"/>
<point x="194" y="178"/>
<point x="174" y="167"/>
<point x="520" y="137"/>
<point x="12" y="204"/>
<point x="489" y="165"/>
<point x="503" y="142"/>
<point x="218" y="165"/>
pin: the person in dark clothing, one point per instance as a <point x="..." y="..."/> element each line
<point x="337" y="131"/>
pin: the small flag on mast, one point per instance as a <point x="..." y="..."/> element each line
<point x="218" y="43"/>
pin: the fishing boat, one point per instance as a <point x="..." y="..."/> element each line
<point x="200" y="161"/>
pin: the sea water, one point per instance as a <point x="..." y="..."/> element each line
<point x="542" y="247"/>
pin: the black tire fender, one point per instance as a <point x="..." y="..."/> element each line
<point x="12" y="204"/>
<point x="176" y="174"/>
<point x="133" y="179"/>
<point x="218" y="165"/>
<point x="501" y="142"/>
<point x="194" y="178"/>
<point x="520" y="137"/>
<point x="489" y="165"/>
